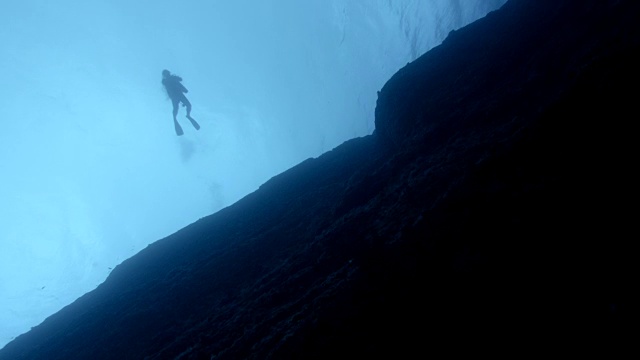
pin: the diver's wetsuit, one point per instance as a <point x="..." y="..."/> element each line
<point x="176" y="92"/>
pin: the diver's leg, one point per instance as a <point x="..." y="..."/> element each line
<point x="175" y="108"/>
<point x="175" y="120"/>
<point x="186" y="103"/>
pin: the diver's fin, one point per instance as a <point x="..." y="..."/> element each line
<point x="179" y="131"/>
<point x="194" y="122"/>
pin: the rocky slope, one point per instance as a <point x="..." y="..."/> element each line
<point x="488" y="213"/>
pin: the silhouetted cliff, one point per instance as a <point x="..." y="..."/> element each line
<point x="488" y="213"/>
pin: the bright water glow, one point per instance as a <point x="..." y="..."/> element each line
<point x="92" y="171"/>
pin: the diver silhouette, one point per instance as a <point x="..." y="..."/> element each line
<point x="173" y="84"/>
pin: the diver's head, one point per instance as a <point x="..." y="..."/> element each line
<point x="165" y="73"/>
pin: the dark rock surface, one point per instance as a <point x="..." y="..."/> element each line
<point x="489" y="213"/>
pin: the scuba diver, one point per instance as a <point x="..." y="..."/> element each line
<point x="173" y="84"/>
